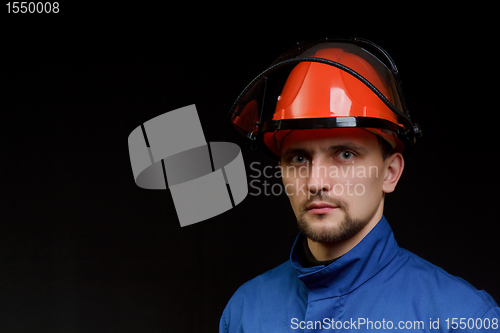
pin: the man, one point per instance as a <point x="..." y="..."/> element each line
<point x="340" y="128"/>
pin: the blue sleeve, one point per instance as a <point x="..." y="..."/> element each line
<point x="490" y="322"/>
<point x="222" y="324"/>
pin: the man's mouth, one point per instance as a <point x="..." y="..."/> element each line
<point x="320" y="207"/>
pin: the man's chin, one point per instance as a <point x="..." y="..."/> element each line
<point x="321" y="230"/>
<point x="329" y="228"/>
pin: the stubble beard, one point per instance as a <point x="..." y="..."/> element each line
<point x="341" y="230"/>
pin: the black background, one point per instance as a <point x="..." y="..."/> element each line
<point x="83" y="249"/>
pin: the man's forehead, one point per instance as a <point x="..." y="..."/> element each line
<point x="304" y="138"/>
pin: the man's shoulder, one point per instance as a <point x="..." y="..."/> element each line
<point x="263" y="301"/>
<point x="265" y="289"/>
<point x="440" y="285"/>
<point x="276" y="277"/>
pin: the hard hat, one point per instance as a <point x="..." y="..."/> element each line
<point x="334" y="84"/>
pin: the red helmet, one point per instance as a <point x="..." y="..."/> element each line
<point x="335" y="83"/>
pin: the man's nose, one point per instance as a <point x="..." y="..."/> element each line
<point x="318" y="178"/>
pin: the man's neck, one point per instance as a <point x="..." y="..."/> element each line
<point x="329" y="251"/>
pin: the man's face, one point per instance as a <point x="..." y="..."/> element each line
<point x="335" y="181"/>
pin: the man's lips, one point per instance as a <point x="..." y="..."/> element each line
<point x="320" y="207"/>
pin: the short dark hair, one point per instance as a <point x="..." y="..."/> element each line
<point x="385" y="148"/>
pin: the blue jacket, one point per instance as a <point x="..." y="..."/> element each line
<point x="376" y="287"/>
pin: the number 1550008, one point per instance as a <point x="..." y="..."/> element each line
<point x="33" y="7"/>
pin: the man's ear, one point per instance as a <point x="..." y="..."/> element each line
<point x="394" y="166"/>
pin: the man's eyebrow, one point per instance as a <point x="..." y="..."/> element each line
<point x="336" y="147"/>
<point x="348" y="146"/>
<point x="295" y="150"/>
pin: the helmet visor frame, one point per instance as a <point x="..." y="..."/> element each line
<point x="252" y="121"/>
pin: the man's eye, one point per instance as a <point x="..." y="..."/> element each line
<point x="298" y="159"/>
<point x="346" y="155"/>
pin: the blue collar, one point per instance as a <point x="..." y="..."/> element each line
<point x="347" y="273"/>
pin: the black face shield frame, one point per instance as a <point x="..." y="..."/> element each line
<point x="251" y="113"/>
